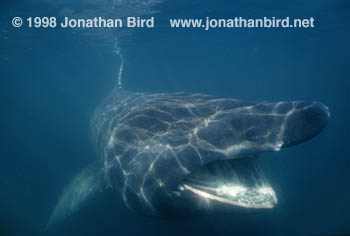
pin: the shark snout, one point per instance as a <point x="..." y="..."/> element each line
<point x="304" y="122"/>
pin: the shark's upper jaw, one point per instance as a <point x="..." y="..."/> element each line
<point x="235" y="183"/>
<point x="308" y="120"/>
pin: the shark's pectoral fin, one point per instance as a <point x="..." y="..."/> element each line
<point x="84" y="185"/>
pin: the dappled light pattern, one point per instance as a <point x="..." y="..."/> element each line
<point x="150" y="143"/>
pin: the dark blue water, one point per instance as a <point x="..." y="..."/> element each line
<point x="53" y="79"/>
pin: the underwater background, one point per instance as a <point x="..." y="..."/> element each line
<point x="53" y="79"/>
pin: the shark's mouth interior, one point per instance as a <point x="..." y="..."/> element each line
<point x="237" y="182"/>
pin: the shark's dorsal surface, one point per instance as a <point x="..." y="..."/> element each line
<point x="181" y="154"/>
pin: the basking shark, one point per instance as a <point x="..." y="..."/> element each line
<point x="180" y="154"/>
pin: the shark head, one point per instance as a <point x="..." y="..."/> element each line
<point x="183" y="154"/>
<point x="231" y="181"/>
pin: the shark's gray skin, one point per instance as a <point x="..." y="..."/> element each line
<point x="181" y="154"/>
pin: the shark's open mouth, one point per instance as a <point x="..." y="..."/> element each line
<point x="237" y="182"/>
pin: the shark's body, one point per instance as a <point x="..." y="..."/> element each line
<point x="180" y="154"/>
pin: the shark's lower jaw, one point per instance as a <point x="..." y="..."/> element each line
<point x="237" y="183"/>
